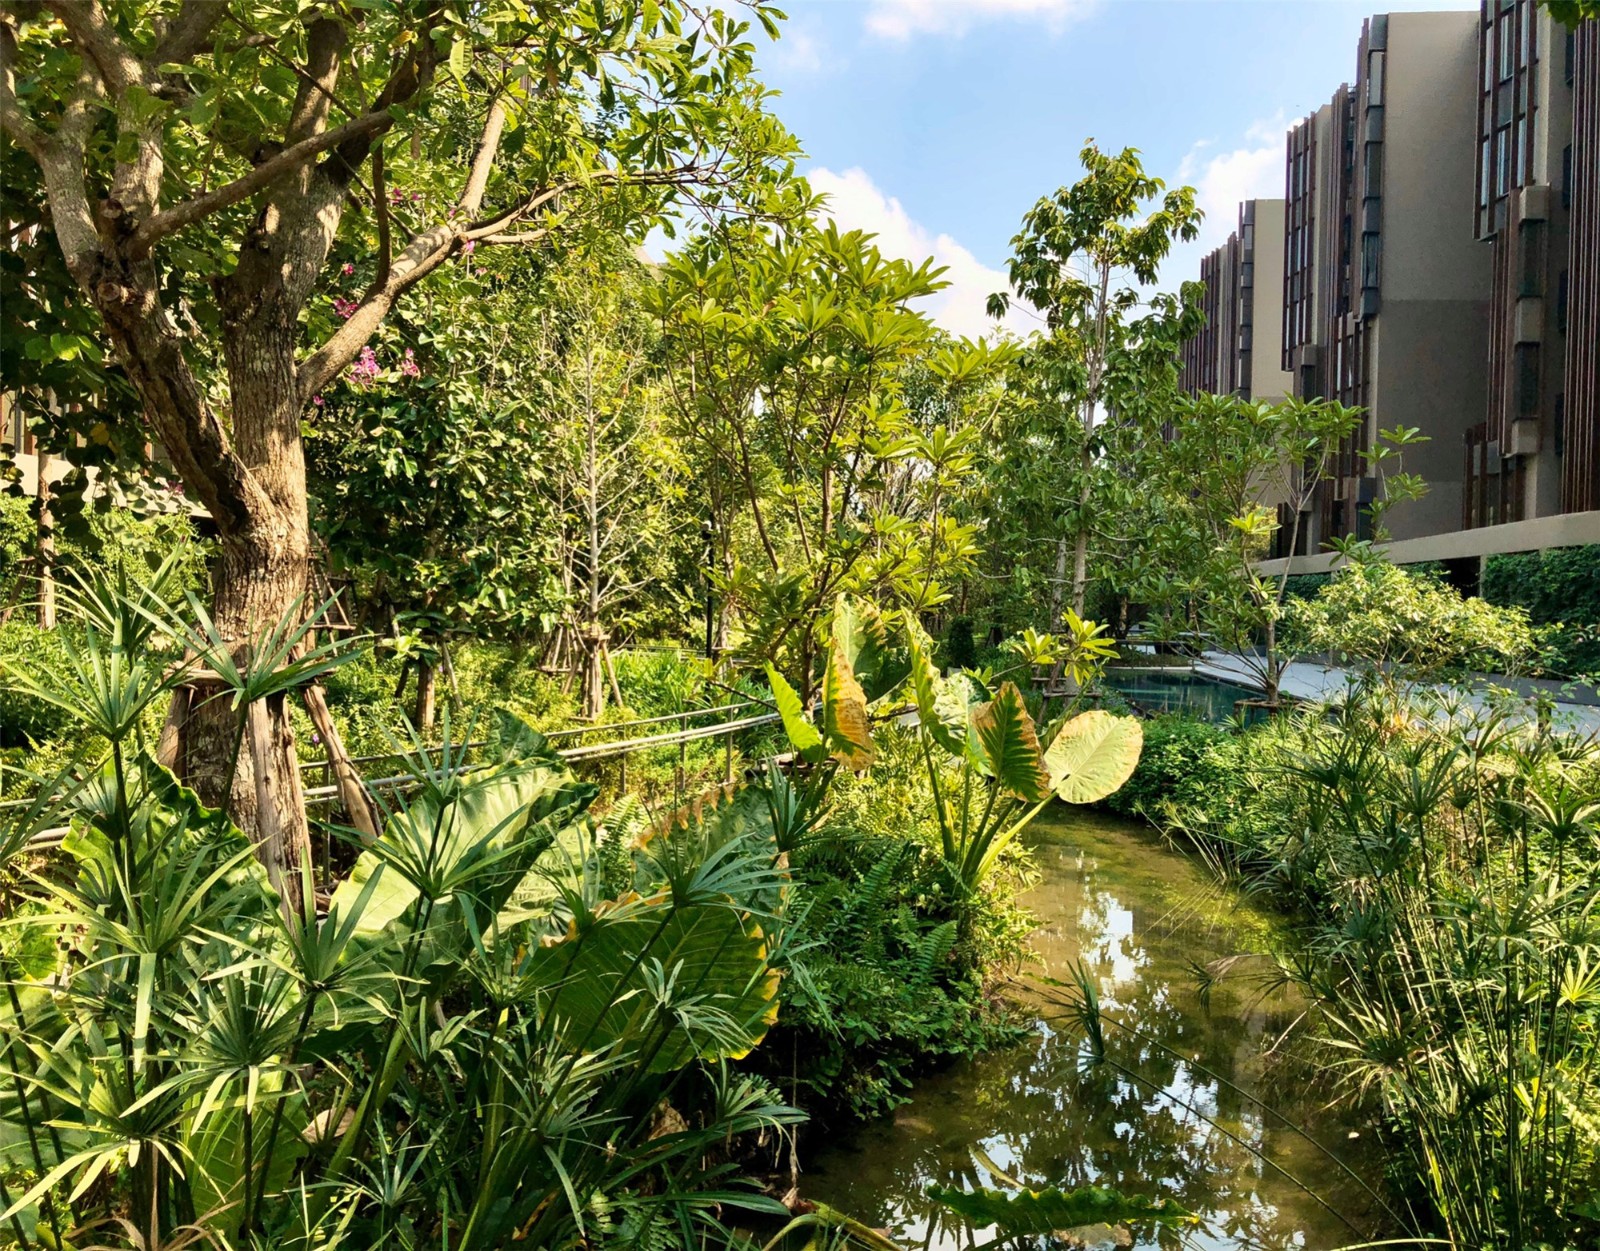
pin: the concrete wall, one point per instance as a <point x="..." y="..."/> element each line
<point x="1269" y="381"/>
<point x="1430" y="251"/>
<point x="1428" y="344"/>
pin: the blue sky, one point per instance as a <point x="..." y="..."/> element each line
<point x="937" y="123"/>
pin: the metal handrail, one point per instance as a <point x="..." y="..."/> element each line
<point x="583" y="752"/>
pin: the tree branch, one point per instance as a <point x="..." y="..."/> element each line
<point x="188" y="32"/>
<point x="190" y="211"/>
<point x="23" y="132"/>
<point x="88" y="28"/>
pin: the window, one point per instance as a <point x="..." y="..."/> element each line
<point x="1530" y="255"/>
<point x="1566" y="176"/>
<point x="1505" y="44"/>
<point x="1525" y="373"/>
<point x="1375" y="77"/>
<point x="1486" y="174"/>
<point x="1371" y="251"/>
<point x="1502" y="162"/>
<point x="1561" y="303"/>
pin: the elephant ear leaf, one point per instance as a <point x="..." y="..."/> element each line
<point x="1036" y="1213"/>
<point x="846" y="728"/>
<point x="1010" y="744"/>
<point x="941" y="709"/>
<point x="803" y="736"/>
<point x="1095" y="753"/>
<point x="862" y="633"/>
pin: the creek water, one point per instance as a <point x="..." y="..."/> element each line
<point x="1173" y="1112"/>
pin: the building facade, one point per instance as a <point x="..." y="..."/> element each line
<point x="1386" y="291"/>
<point x="1440" y="269"/>
<point x="1242" y="304"/>
<point x="1536" y="453"/>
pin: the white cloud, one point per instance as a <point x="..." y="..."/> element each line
<point x="855" y="202"/>
<point x="901" y="19"/>
<point x="798" y="51"/>
<point x="1252" y="170"/>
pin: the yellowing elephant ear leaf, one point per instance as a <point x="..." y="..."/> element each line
<point x="1095" y="753"/>
<point x="803" y="736"/>
<point x="943" y="714"/>
<point x="1010" y="744"/>
<point x="846" y="728"/>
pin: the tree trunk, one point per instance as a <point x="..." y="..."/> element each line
<point x="1272" y="664"/>
<point x="1058" y="585"/>
<point x="1080" y="546"/>
<point x="427" y="687"/>
<point x="255" y="586"/>
<point x="46" y="548"/>
<point x="593" y="677"/>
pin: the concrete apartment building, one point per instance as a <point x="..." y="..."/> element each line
<point x="1535" y="454"/>
<point x="1386" y="290"/>
<point x="1243" y="308"/>
<point x="1441" y="269"/>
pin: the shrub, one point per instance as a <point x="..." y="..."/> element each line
<point x="894" y="979"/>
<point x="24" y="720"/>
<point x="1381" y="615"/>
<point x="1185" y="762"/>
<point x="1445" y="876"/>
<point x="1559" y="589"/>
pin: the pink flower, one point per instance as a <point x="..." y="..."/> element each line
<point x="345" y="308"/>
<point x="396" y="196"/>
<point x="317" y="400"/>
<point x="466" y="248"/>
<point x="409" y="367"/>
<point x="415" y="196"/>
<point x="365" y="370"/>
<point x="347" y="269"/>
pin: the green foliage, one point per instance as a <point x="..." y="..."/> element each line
<point x="1559" y="589"/>
<point x="1185" y="763"/>
<point x="476" y="1034"/>
<point x="892" y="963"/>
<point x="794" y="352"/>
<point x="1062" y="490"/>
<point x="1409" y="624"/>
<point x="959" y="650"/>
<point x="1025" y="1212"/>
<point x="1445" y="862"/>
<point x="24" y="719"/>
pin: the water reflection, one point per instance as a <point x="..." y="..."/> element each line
<point x="1169" y="1113"/>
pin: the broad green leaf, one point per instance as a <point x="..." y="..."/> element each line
<point x="803" y="736"/>
<point x="1010" y="744"/>
<point x="474" y="840"/>
<point x="1095" y="753"/>
<point x="721" y="995"/>
<point x="941" y="707"/>
<point x="845" y="725"/>
<point x="1032" y="1213"/>
<point x="862" y="634"/>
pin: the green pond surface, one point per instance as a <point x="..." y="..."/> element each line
<point x="1142" y="919"/>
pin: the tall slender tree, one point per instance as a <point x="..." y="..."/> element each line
<point x="1081" y="259"/>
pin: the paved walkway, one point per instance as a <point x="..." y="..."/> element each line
<point x="1302" y="679"/>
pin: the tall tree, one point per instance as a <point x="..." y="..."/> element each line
<point x="792" y="354"/>
<point x="202" y="157"/>
<point x="1079" y="260"/>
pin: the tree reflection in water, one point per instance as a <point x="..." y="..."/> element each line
<point x="1139" y="918"/>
